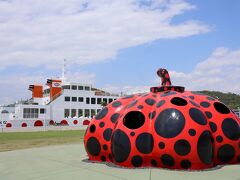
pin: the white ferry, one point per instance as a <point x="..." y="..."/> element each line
<point x="57" y="103"/>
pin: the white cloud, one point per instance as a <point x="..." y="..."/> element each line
<point x="85" y="31"/>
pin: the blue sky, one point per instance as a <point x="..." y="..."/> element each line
<point x="119" y="45"/>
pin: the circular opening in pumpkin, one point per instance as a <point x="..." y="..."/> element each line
<point x="92" y="128"/>
<point x="178" y="101"/>
<point x="134" y="120"/>
<point x="221" y="108"/>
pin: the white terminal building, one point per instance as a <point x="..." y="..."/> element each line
<point x="59" y="102"/>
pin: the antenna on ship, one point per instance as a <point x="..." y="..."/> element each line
<point x="63" y="78"/>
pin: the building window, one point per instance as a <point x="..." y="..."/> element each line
<point x="66" y="87"/>
<point x="87" y="88"/>
<point x="80" y="99"/>
<point x="99" y="100"/>
<point x="30" y="112"/>
<point x="80" y="113"/>
<point x="42" y="111"/>
<point x="105" y="100"/>
<point x="67" y="98"/>
<point x="93" y="112"/>
<point x="66" y="113"/>
<point x="87" y="113"/>
<point x="87" y="100"/>
<point x="74" y="87"/>
<point x="74" y="99"/>
<point x="73" y="113"/>
<point x="93" y="100"/>
<point x="80" y="87"/>
<point x="110" y="100"/>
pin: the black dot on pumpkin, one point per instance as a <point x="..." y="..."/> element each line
<point x="133" y="103"/>
<point x="160" y="103"/>
<point x="92" y="128"/>
<point x="185" y="164"/>
<point x="205" y="104"/>
<point x="140" y="107"/>
<point x="208" y="114"/>
<point x="107" y="134"/>
<point x="169" y="123"/>
<point x="191" y="132"/>
<point x="134" y="120"/>
<point x="178" y="101"/>
<point x="168" y="93"/>
<point x="116" y="104"/>
<point x="197" y="116"/>
<point x="115" y="117"/>
<point x="105" y="147"/>
<point x="231" y="129"/>
<point x="221" y="108"/>
<point x="210" y="98"/>
<point x="161" y="145"/>
<point x="136" y="161"/>
<point x="194" y="103"/>
<point x="101" y="114"/>
<point x="132" y="134"/>
<point x="153" y="162"/>
<point x="128" y="97"/>
<point x="167" y="160"/>
<point x="103" y="158"/>
<point x="219" y="139"/>
<point x="191" y="97"/>
<point x="150" y="101"/>
<point x="213" y="126"/>
<point x="205" y="147"/>
<point x="226" y="153"/>
<point x="182" y="147"/>
<point x="152" y="115"/>
<point x="144" y="143"/>
<point x="93" y="146"/>
<point x="120" y="146"/>
<point x="101" y="124"/>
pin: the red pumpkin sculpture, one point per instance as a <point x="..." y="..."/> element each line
<point x="166" y="128"/>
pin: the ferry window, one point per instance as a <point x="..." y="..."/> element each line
<point x="67" y="98"/>
<point x="80" y="113"/>
<point x="93" y="112"/>
<point x="80" y="87"/>
<point x="87" y="100"/>
<point x="93" y="100"/>
<point x="73" y="113"/>
<point x="42" y="111"/>
<point x="74" y="99"/>
<point x="66" y="87"/>
<point x="74" y="87"/>
<point x="80" y="99"/>
<point x="30" y="113"/>
<point x="87" y="88"/>
<point x="66" y="113"/>
<point x="87" y="113"/>
<point x="105" y="100"/>
<point x="99" y="100"/>
<point x="110" y="100"/>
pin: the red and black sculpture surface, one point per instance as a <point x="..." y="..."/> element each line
<point x="166" y="128"/>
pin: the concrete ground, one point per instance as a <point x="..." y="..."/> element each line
<point x="68" y="162"/>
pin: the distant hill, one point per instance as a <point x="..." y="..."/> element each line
<point x="230" y="99"/>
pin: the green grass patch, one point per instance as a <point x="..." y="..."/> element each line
<point x="22" y="140"/>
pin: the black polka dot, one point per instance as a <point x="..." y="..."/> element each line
<point x="225" y="153"/>
<point x="136" y="161"/>
<point x="107" y="134"/>
<point x="134" y="120"/>
<point x="210" y="98"/>
<point x="213" y="126"/>
<point x="115" y="117"/>
<point x="101" y="114"/>
<point x="182" y="147"/>
<point x="191" y="132"/>
<point x="208" y="114"/>
<point x="105" y="147"/>
<point x="219" y="139"/>
<point x="194" y="103"/>
<point x="185" y="164"/>
<point x="133" y="103"/>
<point x="205" y="104"/>
<point x="101" y="124"/>
<point x="116" y="104"/>
<point x="191" y="97"/>
<point x="178" y="101"/>
<point x="221" y="108"/>
<point x="197" y="116"/>
<point x="93" y="146"/>
<point x="167" y="160"/>
<point x="150" y="101"/>
<point x="121" y="146"/>
<point x="144" y="143"/>
<point x="169" y="123"/>
<point x="103" y="158"/>
<point x="128" y="97"/>
<point x="152" y="115"/>
<point x="196" y="92"/>
<point x="160" y="103"/>
<point x="161" y="145"/>
<point x="231" y="129"/>
<point x="132" y="134"/>
<point x="205" y="147"/>
<point x="153" y="163"/>
<point x="92" y="128"/>
<point x="140" y="107"/>
<point x="168" y="93"/>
